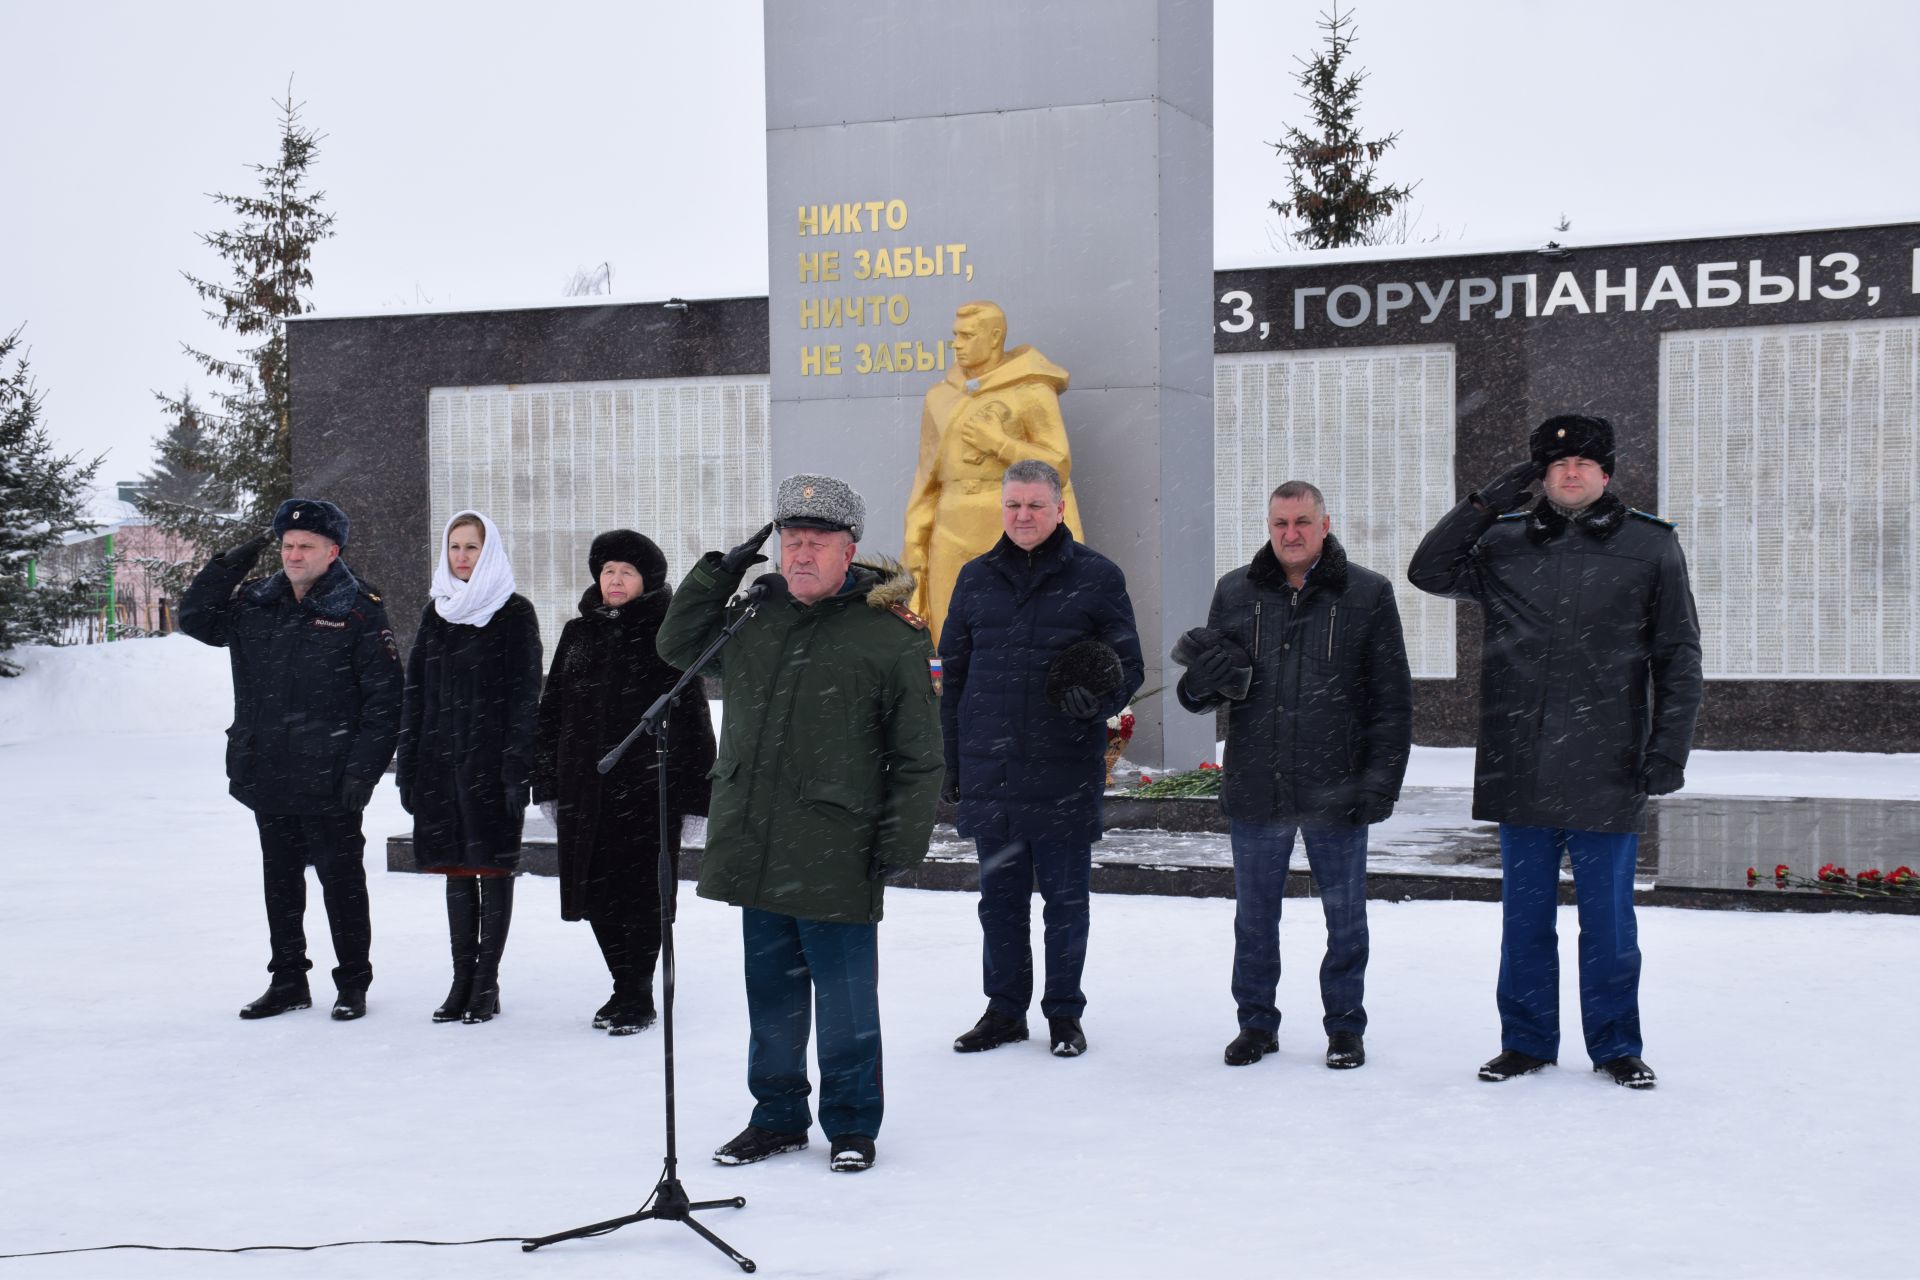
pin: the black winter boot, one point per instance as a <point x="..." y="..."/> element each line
<point x="618" y="955"/>
<point x="284" y="994"/>
<point x="1250" y="1046"/>
<point x="992" y="1031"/>
<point x="496" y="915"/>
<point x="463" y="932"/>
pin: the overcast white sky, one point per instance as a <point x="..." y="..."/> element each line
<point x="476" y="153"/>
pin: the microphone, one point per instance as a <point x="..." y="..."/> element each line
<point x="766" y="588"/>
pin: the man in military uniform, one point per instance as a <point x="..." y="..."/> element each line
<point x="827" y="777"/>
<point x="1589" y="686"/>
<point x="316" y="693"/>
<point x="992" y="409"/>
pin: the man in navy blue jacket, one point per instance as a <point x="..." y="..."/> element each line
<point x="1026" y="770"/>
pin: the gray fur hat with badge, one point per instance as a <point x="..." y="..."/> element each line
<point x="810" y="501"/>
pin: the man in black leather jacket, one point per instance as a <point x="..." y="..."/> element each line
<point x="1305" y="649"/>
<point x="1590" y="685"/>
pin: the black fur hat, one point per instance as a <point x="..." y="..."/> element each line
<point x="1574" y="435"/>
<point x="1091" y="664"/>
<point x="628" y="547"/>
<point x="313" y="515"/>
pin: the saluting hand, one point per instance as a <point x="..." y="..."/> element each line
<point x="1508" y="491"/>
<point x="747" y="554"/>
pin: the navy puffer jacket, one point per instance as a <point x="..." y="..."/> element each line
<point x="1027" y="770"/>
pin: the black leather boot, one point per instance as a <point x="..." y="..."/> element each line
<point x="463" y="932"/>
<point x="616" y="950"/>
<point x="496" y="914"/>
<point x="284" y="994"/>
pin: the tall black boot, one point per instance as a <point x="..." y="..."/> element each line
<point x="463" y="931"/>
<point x="612" y="937"/>
<point x="633" y="1009"/>
<point x="496" y="914"/>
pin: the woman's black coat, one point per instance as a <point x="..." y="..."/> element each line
<point x="466" y="736"/>
<point x="605" y="675"/>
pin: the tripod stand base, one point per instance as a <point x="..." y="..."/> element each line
<point x="668" y="1203"/>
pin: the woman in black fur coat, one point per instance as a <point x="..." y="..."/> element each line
<point x="466" y="750"/>
<point x="606" y="673"/>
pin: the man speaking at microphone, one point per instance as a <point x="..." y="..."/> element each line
<point x="828" y="772"/>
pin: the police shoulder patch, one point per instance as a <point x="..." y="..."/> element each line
<point x="1662" y="521"/>
<point x="908" y="616"/>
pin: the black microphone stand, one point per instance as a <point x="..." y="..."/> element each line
<point x="669" y="1201"/>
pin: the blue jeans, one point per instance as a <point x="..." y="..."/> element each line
<point x="1529" y="992"/>
<point x="1337" y="856"/>
<point x="1007" y="876"/>
<point x="794" y="967"/>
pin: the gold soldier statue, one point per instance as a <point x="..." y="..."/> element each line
<point x="993" y="408"/>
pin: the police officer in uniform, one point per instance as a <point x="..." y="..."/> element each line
<point x="317" y="686"/>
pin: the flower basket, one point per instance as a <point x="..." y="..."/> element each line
<point x="1119" y="734"/>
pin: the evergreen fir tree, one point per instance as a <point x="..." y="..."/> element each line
<point x="43" y="495"/>
<point x="178" y="477"/>
<point x="245" y="454"/>
<point x="1333" y="197"/>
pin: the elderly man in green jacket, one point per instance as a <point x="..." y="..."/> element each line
<point x="829" y="769"/>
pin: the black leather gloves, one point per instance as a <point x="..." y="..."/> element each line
<point x="1661" y="776"/>
<point x="354" y="793"/>
<point x="1508" y="491"/>
<point x="1373" y="807"/>
<point x="1078" y="703"/>
<point x="747" y="554"/>
<point x="950" y="789"/>
<point x="1217" y="665"/>
<point x="1209" y="673"/>
<point x="243" y="556"/>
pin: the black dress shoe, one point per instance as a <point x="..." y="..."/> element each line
<point x="280" y="997"/>
<point x="1346" y="1050"/>
<point x="1250" y="1046"/>
<point x="1511" y="1063"/>
<point x="992" y="1031"/>
<point x="1064" y="1038"/>
<point x="852" y="1152"/>
<point x="349" y="1005"/>
<point x="1629" y="1072"/>
<point x="753" y="1144"/>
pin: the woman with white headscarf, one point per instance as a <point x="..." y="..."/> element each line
<point x="466" y="750"/>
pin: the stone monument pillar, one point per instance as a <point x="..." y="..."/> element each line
<point x="1057" y="159"/>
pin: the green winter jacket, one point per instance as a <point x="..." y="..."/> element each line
<point x="830" y="761"/>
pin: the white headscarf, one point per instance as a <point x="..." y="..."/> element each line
<point x="473" y="602"/>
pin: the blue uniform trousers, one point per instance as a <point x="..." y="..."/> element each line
<point x="1529" y="991"/>
<point x="794" y="968"/>
<point x="1337" y="856"/>
<point x="1008" y="873"/>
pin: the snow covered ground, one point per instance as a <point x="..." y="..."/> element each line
<point x="139" y="1108"/>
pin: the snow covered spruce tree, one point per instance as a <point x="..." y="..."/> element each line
<point x="43" y="494"/>
<point x="1333" y="197"/>
<point x="242" y="450"/>
<point x="178" y="476"/>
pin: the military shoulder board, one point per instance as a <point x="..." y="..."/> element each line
<point x="1662" y="521"/>
<point x="909" y="617"/>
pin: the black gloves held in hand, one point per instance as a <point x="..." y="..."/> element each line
<point x="1078" y="703"/>
<point x="1508" y="491"/>
<point x="1661" y="776"/>
<point x="243" y="556"/>
<point x="950" y="789"/>
<point x="1373" y="807"/>
<point x="354" y="793"/>
<point x="747" y="554"/>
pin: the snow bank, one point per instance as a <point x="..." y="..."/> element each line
<point x="168" y="685"/>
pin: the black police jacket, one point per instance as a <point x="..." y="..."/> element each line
<point x="1591" y="660"/>
<point x="1328" y="718"/>
<point x="316" y="684"/>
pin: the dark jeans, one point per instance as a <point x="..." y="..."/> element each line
<point x="1529" y="992"/>
<point x="1337" y="856"/>
<point x="835" y="968"/>
<point x="333" y="846"/>
<point x="1007" y="876"/>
